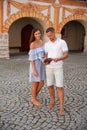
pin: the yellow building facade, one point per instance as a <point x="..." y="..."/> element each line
<point x="19" y="17"/>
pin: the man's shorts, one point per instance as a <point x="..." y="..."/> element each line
<point x="54" y="76"/>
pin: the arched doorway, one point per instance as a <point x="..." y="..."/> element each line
<point x="15" y="23"/>
<point x="25" y="37"/>
<point x="19" y="34"/>
<point x="73" y="33"/>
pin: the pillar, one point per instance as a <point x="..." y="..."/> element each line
<point x="1" y="15"/>
<point x="56" y="16"/>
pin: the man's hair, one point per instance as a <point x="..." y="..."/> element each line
<point x="50" y="29"/>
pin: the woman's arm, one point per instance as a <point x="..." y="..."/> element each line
<point x="32" y="46"/>
<point x="34" y="69"/>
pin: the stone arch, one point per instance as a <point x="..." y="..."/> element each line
<point x="20" y="14"/>
<point x="70" y="18"/>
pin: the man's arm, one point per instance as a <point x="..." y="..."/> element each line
<point x="46" y="62"/>
<point x="65" y="55"/>
<point x="45" y="56"/>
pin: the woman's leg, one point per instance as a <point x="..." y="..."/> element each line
<point x="34" y="94"/>
<point x="41" y="84"/>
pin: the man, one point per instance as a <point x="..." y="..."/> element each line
<point x="55" y="49"/>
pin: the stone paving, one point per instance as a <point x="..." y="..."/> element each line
<point x="16" y="113"/>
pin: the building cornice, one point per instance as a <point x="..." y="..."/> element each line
<point x="73" y="3"/>
<point x="46" y="1"/>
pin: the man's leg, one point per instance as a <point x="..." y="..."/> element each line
<point x="52" y="96"/>
<point x="50" y="82"/>
<point x="61" y="100"/>
<point x="59" y="84"/>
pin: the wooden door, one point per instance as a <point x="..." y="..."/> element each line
<point x="25" y="37"/>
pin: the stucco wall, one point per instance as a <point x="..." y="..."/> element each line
<point x="15" y="26"/>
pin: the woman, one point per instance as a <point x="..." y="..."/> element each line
<point x="37" y="68"/>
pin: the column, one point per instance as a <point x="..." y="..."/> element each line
<point x="4" y="37"/>
<point x="85" y="44"/>
<point x="56" y="16"/>
<point x="1" y="15"/>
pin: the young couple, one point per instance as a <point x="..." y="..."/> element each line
<point x="56" y="49"/>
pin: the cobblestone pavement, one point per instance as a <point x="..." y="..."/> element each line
<point x="16" y="113"/>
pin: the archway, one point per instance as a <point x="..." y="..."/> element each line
<point x="19" y="33"/>
<point x="73" y="33"/>
<point x="9" y="27"/>
<point x="23" y="14"/>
